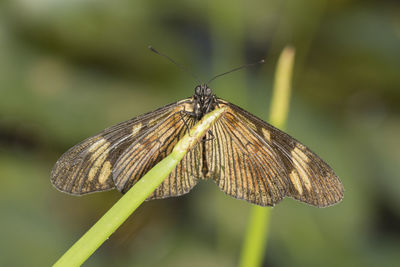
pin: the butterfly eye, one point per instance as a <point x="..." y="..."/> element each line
<point x="208" y="91"/>
<point x="197" y="90"/>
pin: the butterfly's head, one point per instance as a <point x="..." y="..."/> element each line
<point x="203" y="91"/>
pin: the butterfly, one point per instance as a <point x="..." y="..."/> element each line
<point x="246" y="157"/>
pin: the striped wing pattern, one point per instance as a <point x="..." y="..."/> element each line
<point x="243" y="165"/>
<point x="308" y="178"/>
<point x="150" y="149"/>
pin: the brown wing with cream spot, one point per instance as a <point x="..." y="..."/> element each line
<point x="150" y="149"/>
<point x="242" y="164"/>
<point x="311" y="180"/>
<point x="88" y="166"/>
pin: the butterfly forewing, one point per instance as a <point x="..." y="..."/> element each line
<point x="309" y="178"/>
<point x="88" y="166"/>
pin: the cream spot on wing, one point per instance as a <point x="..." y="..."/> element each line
<point x="105" y="172"/>
<point x="98" y="149"/>
<point x="301" y="165"/>
<point x="267" y="134"/>
<point x="97" y="144"/>
<point x="300" y="146"/>
<point x="188" y="107"/>
<point x="100" y="154"/>
<point x="96" y="166"/>
<point x="299" y="154"/>
<point x="307" y="182"/>
<point x="152" y="122"/>
<point x="136" y="128"/>
<point x="294" y="178"/>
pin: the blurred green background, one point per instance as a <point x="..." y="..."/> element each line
<point x="69" y="69"/>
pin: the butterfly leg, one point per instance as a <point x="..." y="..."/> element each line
<point x="211" y="103"/>
<point x="208" y="139"/>
<point x="216" y="101"/>
<point x="184" y="122"/>
<point x="187" y="126"/>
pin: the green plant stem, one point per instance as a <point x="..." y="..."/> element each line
<point x="257" y="229"/>
<point x="128" y="203"/>
<point x="282" y="88"/>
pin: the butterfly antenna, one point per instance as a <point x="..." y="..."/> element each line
<point x="176" y="64"/>
<point x="235" y="69"/>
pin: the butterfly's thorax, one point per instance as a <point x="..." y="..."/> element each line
<point x="204" y="101"/>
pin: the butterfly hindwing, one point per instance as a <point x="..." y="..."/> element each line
<point x="310" y="179"/>
<point x="88" y="166"/>
<point x="242" y="165"/>
<point x="150" y="149"/>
